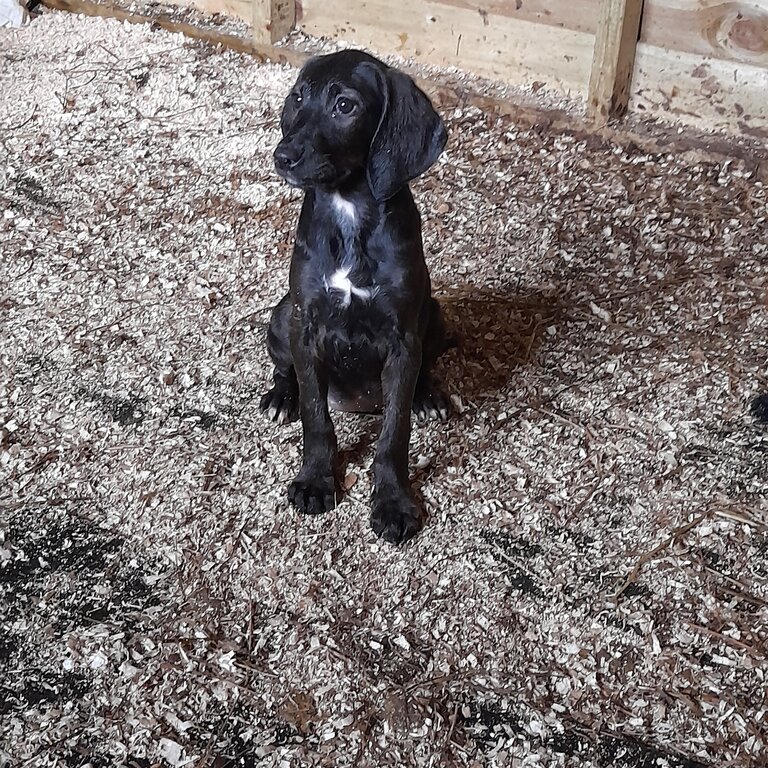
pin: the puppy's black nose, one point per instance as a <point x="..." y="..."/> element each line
<point x="287" y="156"/>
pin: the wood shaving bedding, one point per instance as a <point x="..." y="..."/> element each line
<point x="590" y="587"/>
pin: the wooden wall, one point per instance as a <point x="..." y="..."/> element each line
<point x="698" y="62"/>
<point x="238" y="9"/>
<point x="525" y="45"/>
<point x="732" y="31"/>
<point x="705" y="63"/>
<point x="701" y="62"/>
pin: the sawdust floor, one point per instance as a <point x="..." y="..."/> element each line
<point x="590" y="587"/>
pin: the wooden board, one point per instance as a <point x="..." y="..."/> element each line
<point x="579" y="15"/>
<point x="514" y="51"/>
<point x="614" y="58"/>
<point x="272" y="20"/>
<point x="705" y="63"/>
<point x="239" y="9"/>
<point x="735" y="31"/>
<point x="706" y="93"/>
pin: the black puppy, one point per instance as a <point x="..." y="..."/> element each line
<point x="359" y="329"/>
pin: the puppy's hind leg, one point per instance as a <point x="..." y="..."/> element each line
<point x="281" y="402"/>
<point x="429" y="400"/>
<point x="430" y="403"/>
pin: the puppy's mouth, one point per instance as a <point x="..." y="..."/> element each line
<point x="293" y="180"/>
<point x="325" y="176"/>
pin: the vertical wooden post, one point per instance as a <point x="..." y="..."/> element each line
<point x="272" y="20"/>
<point x="613" y="61"/>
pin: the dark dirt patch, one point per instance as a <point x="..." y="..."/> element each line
<point x="125" y="411"/>
<point x="622" y="623"/>
<point x="33" y="195"/>
<point x="42" y="687"/>
<point x="75" y="574"/>
<point x="506" y="550"/>
<point x="514" y="546"/>
<point x="626" y="752"/>
<point x="485" y="723"/>
<point x="229" y="734"/>
<point x="635" y="589"/>
<point x="9" y="645"/>
<point x="44" y="546"/>
<point x="202" y="419"/>
<point x="85" y="756"/>
<point x="34" y="368"/>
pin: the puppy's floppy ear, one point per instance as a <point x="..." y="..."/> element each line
<point x="409" y="138"/>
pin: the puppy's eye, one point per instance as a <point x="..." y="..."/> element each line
<point x="297" y="98"/>
<point x="344" y="106"/>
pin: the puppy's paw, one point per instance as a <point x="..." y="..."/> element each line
<point x="281" y="404"/>
<point x="395" y="518"/>
<point x="313" y="496"/>
<point x="431" y="405"/>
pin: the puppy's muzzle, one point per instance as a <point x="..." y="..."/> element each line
<point x="303" y="167"/>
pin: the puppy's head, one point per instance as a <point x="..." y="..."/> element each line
<point x="351" y="117"/>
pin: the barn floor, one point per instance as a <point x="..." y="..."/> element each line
<point x="591" y="586"/>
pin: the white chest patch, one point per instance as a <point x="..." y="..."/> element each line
<point x="345" y="208"/>
<point x="339" y="281"/>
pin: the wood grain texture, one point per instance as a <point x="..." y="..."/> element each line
<point x="613" y="59"/>
<point x="735" y="31"/>
<point x="707" y="93"/>
<point x="238" y="9"/>
<point x="579" y="15"/>
<point x="272" y="20"/>
<point x="725" y="29"/>
<point x="508" y="49"/>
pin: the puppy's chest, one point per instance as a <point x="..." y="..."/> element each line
<point x="346" y="283"/>
<point x="345" y="317"/>
<point x="348" y="301"/>
<point x="349" y="273"/>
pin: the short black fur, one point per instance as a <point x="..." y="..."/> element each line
<point x="359" y="329"/>
<point x="759" y="408"/>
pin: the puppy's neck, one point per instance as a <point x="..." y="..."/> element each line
<point x="347" y="212"/>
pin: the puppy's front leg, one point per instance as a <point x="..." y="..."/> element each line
<point x="314" y="489"/>
<point x="395" y="517"/>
